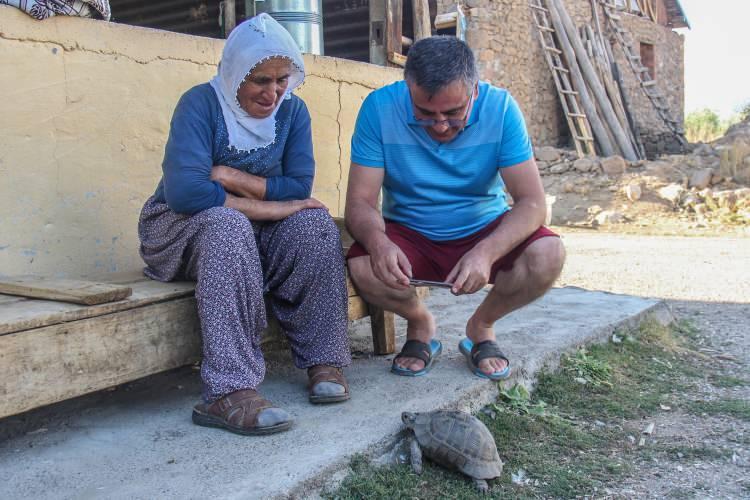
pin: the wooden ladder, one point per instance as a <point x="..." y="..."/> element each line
<point x="578" y="122"/>
<point x="641" y="72"/>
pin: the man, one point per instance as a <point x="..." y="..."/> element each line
<point x="442" y="146"/>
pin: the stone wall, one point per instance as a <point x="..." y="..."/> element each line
<point x="507" y="47"/>
<point x="669" y="58"/>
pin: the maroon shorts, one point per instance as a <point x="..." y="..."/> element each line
<point x="433" y="260"/>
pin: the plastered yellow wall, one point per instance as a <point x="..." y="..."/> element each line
<point x="84" y="114"/>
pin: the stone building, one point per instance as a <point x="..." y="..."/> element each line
<point x="503" y="36"/>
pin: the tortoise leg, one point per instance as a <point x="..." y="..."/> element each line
<point x="416" y="456"/>
<point x="481" y="485"/>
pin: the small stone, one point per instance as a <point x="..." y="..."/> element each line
<point x="631" y="439"/>
<point x="560" y="168"/>
<point x="703" y="150"/>
<point x="594" y="209"/>
<point x="584" y="165"/>
<point x="671" y="192"/>
<point x="614" y="165"/>
<point x="569" y="187"/>
<point x="701" y="179"/>
<point x="609" y="217"/>
<point x="690" y="200"/>
<point x="548" y="154"/>
<point x="633" y="192"/>
<point x="542" y="165"/>
<point x="716" y="179"/>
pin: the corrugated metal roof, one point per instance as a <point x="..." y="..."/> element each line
<point x="194" y="17"/>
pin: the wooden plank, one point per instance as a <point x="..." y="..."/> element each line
<point x="447" y="20"/>
<point x="397" y="59"/>
<point x="66" y="290"/>
<point x="346" y="238"/>
<point x="393" y="26"/>
<point x="67" y="360"/>
<point x="421" y="19"/>
<point x="230" y="17"/>
<point x="383" y="330"/>
<point x="350" y="290"/>
<point x="357" y="308"/>
<point x="26" y="314"/>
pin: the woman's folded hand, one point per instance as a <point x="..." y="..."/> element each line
<point x="270" y="210"/>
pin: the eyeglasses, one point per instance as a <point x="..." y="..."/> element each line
<point x="451" y="122"/>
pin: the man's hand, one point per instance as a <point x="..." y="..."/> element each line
<point x="471" y="272"/>
<point x="390" y="264"/>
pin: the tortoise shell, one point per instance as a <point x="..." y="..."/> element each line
<point x="457" y="440"/>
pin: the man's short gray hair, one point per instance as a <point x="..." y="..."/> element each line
<point x="438" y="61"/>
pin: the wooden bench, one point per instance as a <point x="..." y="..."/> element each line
<point x="51" y="351"/>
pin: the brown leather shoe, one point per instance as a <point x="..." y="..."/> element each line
<point x="325" y="373"/>
<point x="238" y="412"/>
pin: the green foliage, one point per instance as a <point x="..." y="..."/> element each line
<point x="737" y="408"/>
<point x="706" y="125"/>
<point x="518" y="399"/>
<point x="588" y="368"/>
<point x="744" y="111"/>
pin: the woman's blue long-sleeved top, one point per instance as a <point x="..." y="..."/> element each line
<point x="198" y="140"/>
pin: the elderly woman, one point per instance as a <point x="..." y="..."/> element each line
<point x="233" y="212"/>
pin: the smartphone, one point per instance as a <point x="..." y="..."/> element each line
<point x="442" y="284"/>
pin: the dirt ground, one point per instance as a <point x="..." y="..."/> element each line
<point x="706" y="281"/>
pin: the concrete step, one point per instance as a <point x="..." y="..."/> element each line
<point x="139" y="442"/>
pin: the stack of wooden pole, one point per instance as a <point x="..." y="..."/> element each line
<point x="591" y="71"/>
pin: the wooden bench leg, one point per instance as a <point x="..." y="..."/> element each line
<point x="383" y="330"/>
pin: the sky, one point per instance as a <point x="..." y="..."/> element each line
<point x="717" y="55"/>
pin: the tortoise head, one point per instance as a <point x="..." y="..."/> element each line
<point x="409" y="419"/>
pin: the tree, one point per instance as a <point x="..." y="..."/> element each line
<point x="704" y="126"/>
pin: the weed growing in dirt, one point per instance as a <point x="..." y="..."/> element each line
<point x="738" y="408"/>
<point x="568" y="438"/>
<point x="727" y="381"/>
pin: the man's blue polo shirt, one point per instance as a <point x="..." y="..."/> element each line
<point x="443" y="191"/>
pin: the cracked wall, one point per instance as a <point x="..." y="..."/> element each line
<point x="85" y="116"/>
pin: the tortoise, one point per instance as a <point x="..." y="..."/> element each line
<point x="455" y="440"/>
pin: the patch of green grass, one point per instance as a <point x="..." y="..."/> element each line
<point x="737" y="408"/>
<point x="559" y="459"/>
<point x="588" y="369"/>
<point x="727" y="381"/>
<point x="646" y="369"/>
<point x="550" y="434"/>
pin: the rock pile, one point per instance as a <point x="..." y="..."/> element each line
<point x="710" y="183"/>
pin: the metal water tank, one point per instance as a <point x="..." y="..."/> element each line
<point x="303" y="19"/>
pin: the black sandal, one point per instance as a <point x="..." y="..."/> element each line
<point x="418" y="350"/>
<point x="474" y="353"/>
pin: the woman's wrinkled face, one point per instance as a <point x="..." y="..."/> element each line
<point x="259" y="94"/>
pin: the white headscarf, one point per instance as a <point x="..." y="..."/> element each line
<point x="249" y="44"/>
